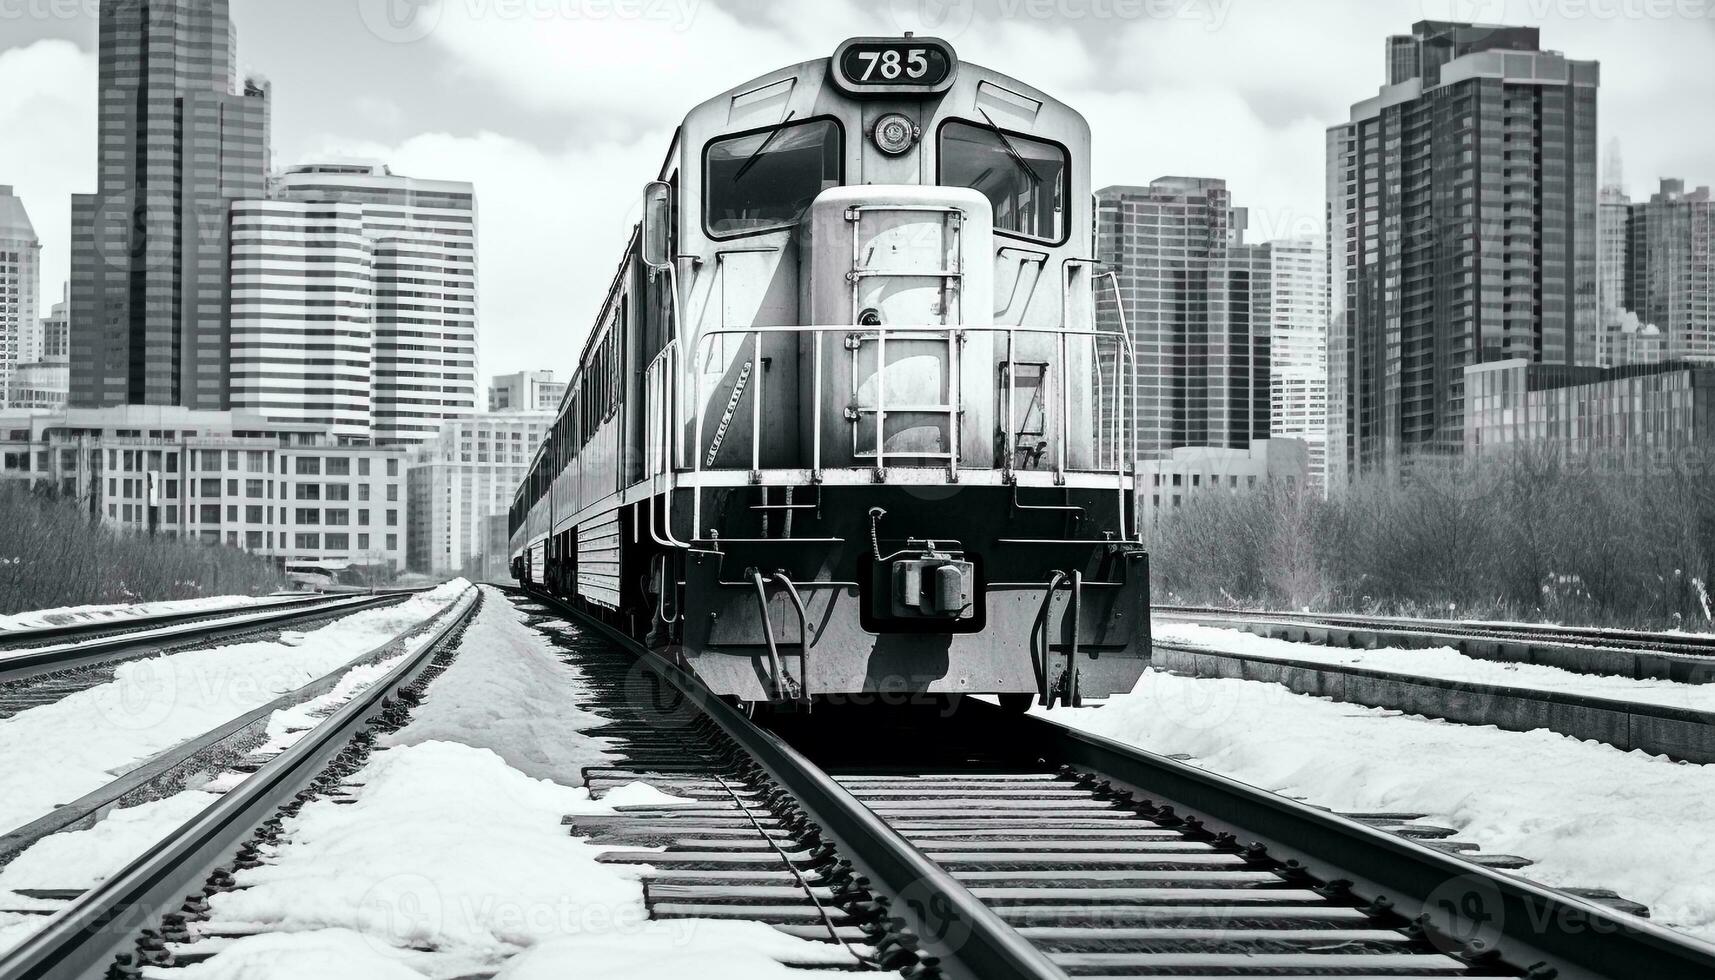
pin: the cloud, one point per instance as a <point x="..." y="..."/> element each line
<point x="47" y="113"/>
<point x="551" y="227"/>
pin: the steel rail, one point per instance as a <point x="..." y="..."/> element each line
<point x="34" y="661"/>
<point x="1580" y="939"/>
<point x="1521" y="928"/>
<point x="1653" y="640"/>
<point x="30" y="635"/>
<point x="83" y="939"/>
<point x="1680" y="733"/>
<point x="987" y="948"/>
<point x="171" y="765"/>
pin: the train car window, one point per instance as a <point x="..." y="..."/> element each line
<point x="767" y="179"/>
<point x="1024" y="178"/>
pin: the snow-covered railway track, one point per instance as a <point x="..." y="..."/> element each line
<point x="1639" y="654"/>
<point x="146" y="913"/>
<point x="34" y="672"/>
<point x="992" y="845"/>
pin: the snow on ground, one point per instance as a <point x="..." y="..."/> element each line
<point x="67" y="615"/>
<point x="57" y="752"/>
<point x="446" y="848"/>
<point x="510" y="692"/>
<point x="1590" y="815"/>
<point x="453" y="859"/>
<point x="1445" y="663"/>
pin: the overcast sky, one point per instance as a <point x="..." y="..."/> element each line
<point x="560" y="110"/>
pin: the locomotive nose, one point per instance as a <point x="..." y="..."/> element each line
<point x="907" y="266"/>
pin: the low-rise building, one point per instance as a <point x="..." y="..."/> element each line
<point x="285" y="490"/>
<point x="1174" y="479"/>
<point x="465" y="475"/>
<point x="1617" y="411"/>
<point x="525" y="391"/>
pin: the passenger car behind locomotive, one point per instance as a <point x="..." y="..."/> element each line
<point x="845" y="424"/>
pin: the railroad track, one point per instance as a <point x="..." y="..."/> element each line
<point x="40" y="666"/>
<point x="989" y="846"/>
<point x="107" y="930"/>
<point x="1688" y="657"/>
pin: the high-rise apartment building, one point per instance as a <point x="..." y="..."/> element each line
<point x="1340" y="350"/>
<point x="1195" y="302"/>
<point x="1670" y="280"/>
<point x="363" y="283"/>
<point x="1298" y="347"/>
<point x="180" y="138"/>
<point x="20" y="286"/>
<point x="525" y="391"/>
<point x="303" y="314"/>
<point x="464" y="476"/>
<point x="1468" y="197"/>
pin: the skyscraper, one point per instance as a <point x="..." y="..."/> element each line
<point x="1671" y="273"/>
<point x="180" y="138"/>
<point x="20" y="285"/>
<point x="1468" y="191"/>
<point x="1298" y="346"/>
<point x="351" y="270"/>
<point x="303" y="315"/>
<point x="1613" y="233"/>
<point x="1195" y="303"/>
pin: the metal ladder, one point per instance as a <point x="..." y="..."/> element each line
<point x="951" y="314"/>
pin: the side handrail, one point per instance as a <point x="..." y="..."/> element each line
<point x="1039" y="641"/>
<point x="777" y="675"/>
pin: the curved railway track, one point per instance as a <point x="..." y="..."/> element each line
<point x="977" y="845"/>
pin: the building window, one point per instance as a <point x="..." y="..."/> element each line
<point x="339" y="491"/>
<point x="393" y="542"/>
<point x="252" y="540"/>
<point x="338" y="542"/>
<point x="363" y="491"/>
<point x="210" y="488"/>
<point x="339" y="466"/>
<point x="308" y="542"/>
<point x="309" y="466"/>
<point x="308" y="515"/>
<point x="338" y="517"/>
<point x="392" y="491"/>
<point x="363" y="542"/>
<point x="392" y="520"/>
<point x="309" y="491"/>
<point x="363" y="466"/>
<point x="210" y="514"/>
<point x="363" y="517"/>
<point x="392" y="467"/>
<point x="253" y="514"/>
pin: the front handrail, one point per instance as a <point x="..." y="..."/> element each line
<point x="1122" y="455"/>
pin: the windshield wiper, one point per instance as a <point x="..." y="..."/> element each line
<point x="756" y="154"/>
<point x="1011" y="150"/>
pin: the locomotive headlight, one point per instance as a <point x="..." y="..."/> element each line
<point x="895" y="133"/>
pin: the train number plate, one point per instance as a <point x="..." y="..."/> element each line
<point x="876" y="65"/>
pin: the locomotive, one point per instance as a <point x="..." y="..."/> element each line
<point x="845" y="425"/>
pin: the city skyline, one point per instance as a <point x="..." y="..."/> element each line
<point x="1253" y="112"/>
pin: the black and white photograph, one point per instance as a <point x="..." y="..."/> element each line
<point x="947" y="489"/>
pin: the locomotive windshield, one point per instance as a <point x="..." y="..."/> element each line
<point x="1024" y="178"/>
<point x="767" y="179"/>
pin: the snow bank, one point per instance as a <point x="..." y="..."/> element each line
<point x="84" y="858"/>
<point x="447" y="848"/>
<point x="509" y="691"/>
<point x="57" y="752"/>
<point x="1587" y="813"/>
<point x="68" y="615"/>
<point x="1448" y="664"/>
